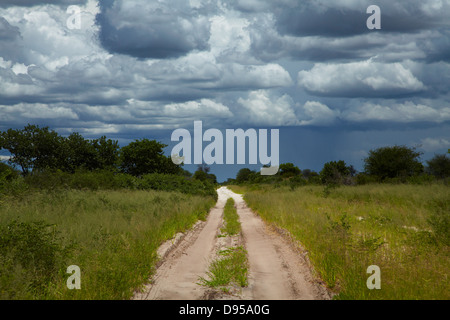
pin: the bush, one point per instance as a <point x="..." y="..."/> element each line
<point x="10" y="181"/>
<point x="421" y="179"/>
<point x="397" y="162"/>
<point x="8" y="173"/>
<point x="15" y="187"/>
<point x="108" y="180"/>
<point x="295" y="182"/>
<point x="165" y="182"/>
<point x="362" y="178"/>
<point x="439" y="166"/>
<point x="335" y="172"/>
<point x="31" y="255"/>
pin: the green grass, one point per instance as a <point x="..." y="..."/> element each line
<point x="112" y="236"/>
<point x="231" y="219"/>
<point x="231" y="268"/>
<point x="403" y="229"/>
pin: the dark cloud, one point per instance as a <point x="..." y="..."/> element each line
<point x="235" y="58"/>
<point x="436" y="48"/>
<point x="151" y="30"/>
<point x="331" y="23"/>
<point x="342" y="18"/>
<point x="7" y="31"/>
<point x="9" y="38"/>
<point x="338" y="22"/>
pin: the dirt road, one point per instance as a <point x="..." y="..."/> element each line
<point x="277" y="269"/>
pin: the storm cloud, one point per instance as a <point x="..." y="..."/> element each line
<point x="150" y="29"/>
<point x="140" y="67"/>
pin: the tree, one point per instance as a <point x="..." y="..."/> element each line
<point x="289" y="170"/>
<point x="203" y="167"/>
<point x="107" y="152"/>
<point x="31" y="148"/>
<point x="146" y="156"/>
<point x="203" y="175"/>
<point x="393" y="162"/>
<point x="75" y="153"/>
<point x="334" y="172"/>
<point x="244" y="175"/>
<point x="352" y="171"/>
<point x="439" y="166"/>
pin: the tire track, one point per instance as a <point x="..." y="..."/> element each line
<point x="277" y="271"/>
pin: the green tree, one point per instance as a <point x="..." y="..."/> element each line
<point x="32" y="148"/>
<point x="439" y="166"/>
<point x="203" y="174"/>
<point x="393" y="162"/>
<point x="289" y="170"/>
<point x="334" y="172"/>
<point x="244" y="175"/>
<point x="75" y="153"/>
<point x="146" y="156"/>
<point x="107" y="153"/>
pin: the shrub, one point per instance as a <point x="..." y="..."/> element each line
<point x="31" y="255"/>
<point x="439" y="166"/>
<point x="335" y="172"/>
<point x="165" y="182"/>
<point x="362" y="178"/>
<point x="396" y="162"/>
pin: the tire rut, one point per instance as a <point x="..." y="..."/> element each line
<point x="277" y="270"/>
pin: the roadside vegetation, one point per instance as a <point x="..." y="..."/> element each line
<point x="113" y="236"/>
<point x="395" y="215"/>
<point x="72" y="201"/>
<point x="403" y="229"/>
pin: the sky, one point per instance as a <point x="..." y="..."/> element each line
<point x="130" y="69"/>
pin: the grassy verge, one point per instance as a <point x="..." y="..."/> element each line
<point x="403" y="229"/>
<point x="231" y="268"/>
<point x="232" y="226"/>
<point x="113" y="236"/>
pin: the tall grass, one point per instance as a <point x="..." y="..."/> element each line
<point x="112" y="236"/>
<point x="403" y="229"/>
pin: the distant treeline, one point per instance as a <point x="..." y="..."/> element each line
<point x="394" y="164"/>
<point x="35" y="149"/>
<point x="49" y="160"/>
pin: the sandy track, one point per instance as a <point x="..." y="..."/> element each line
<point x="277" y="270"/>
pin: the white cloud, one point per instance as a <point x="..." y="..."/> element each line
<point x="229" y="35"/>
<point x="316" y="113"/>
<point x="359" y="78"/>
<point x="262" y="109"/>
<point x="434" y="144"/>
<point x="255" y="76"/>
<point x="197" y="109"/>
<point x="35" y="111"/>
<point x="400" y="112"/>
